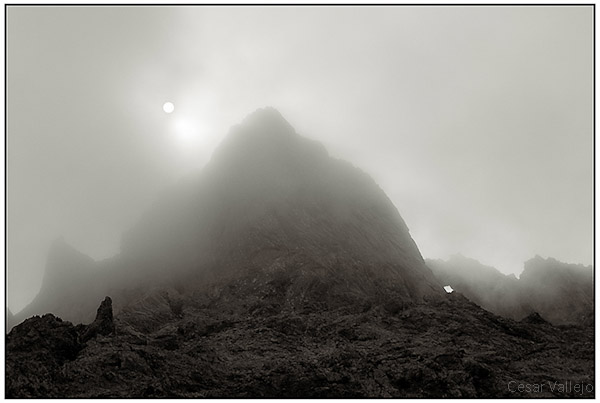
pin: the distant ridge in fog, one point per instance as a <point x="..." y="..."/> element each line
<point x="561" y="293"/>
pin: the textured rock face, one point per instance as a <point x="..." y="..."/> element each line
<point x="558" y="292"/>
<point x="216" y="346"/>
<point x="271" y="205"/>
<point x="534" y="318"/>
<point x="103" y="324"/>
<point x="40" y="346"/>
<point x="37" y="348"/>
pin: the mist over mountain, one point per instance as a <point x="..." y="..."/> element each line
<point x="269" y="202"/>
<point x="279" y="271"/>
<point x="561" y="293"/>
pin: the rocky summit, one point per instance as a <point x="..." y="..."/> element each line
<point x="278" y="271"/>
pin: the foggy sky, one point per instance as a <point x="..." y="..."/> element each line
<point x="476" y="121"/>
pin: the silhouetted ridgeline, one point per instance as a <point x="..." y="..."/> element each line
<point x="561" y="293"/>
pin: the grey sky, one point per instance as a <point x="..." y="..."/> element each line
<point x="476" y="121"/>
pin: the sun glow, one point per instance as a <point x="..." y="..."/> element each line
<point x="191" y="133"/>
<point x="191" y="127"/>
<point x="168" y="107"/>
<point x="186" y="130"/>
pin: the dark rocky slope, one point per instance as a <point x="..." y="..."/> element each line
<point x="238" y="343"/>
<point x="561" y="293"/>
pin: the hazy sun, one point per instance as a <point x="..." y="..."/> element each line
<point x="190" y="129"/>
<point x="185" y="130"/>
<point x="168" y="107"/>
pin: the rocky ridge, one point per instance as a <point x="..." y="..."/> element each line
<point x="561" y="293"/>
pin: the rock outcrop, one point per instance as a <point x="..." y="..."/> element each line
<point x="39" y="348"/>
<point x="103" y="324"/>
<point x="534" y="318"/>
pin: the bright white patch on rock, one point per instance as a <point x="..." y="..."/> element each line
<point x="448" y="289"/>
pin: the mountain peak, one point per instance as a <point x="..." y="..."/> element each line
<point x="270" y="205"/>
<point x="264" y="124"/>
<point x="266" y="117"/>
<point x="264" y="143"/>
<point x="64" y="261"/>
<point x="60" y="251"/>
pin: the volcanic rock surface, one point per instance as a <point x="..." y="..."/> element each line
<point x="227" y="345"/>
